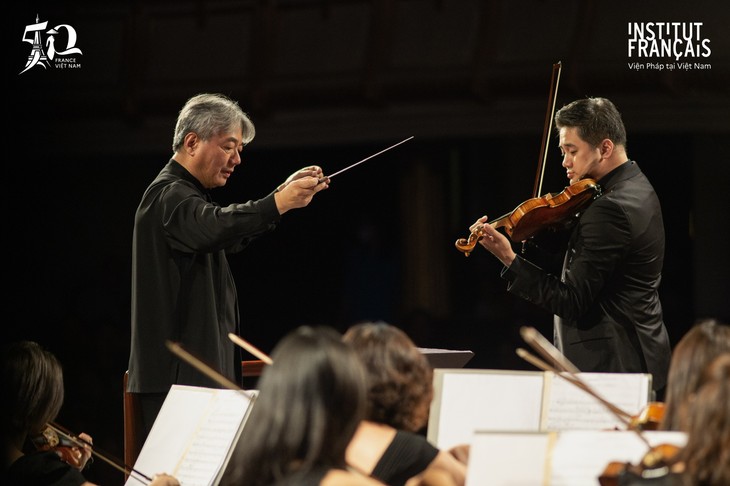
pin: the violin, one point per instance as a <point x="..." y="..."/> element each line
<point x="650" y="417"/>
<point x="538" y="214"/>
<point x="657" y="462"/>
<point x="70" y="451"/>
<point x="70" y="447"/>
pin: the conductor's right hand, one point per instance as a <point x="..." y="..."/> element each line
<point x="299" y="189"/>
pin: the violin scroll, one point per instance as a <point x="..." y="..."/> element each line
<point x="70" y="451"/>
<point x="466" y="245"/>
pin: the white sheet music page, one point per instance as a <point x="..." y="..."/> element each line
<point x="580" y="456"/>
<point x="193" y="435"/>
<point x="509" y="458"/>
<point x="469" y="400"/>
<point x="571" y="408"/>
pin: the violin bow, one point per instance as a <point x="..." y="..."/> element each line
<point x="538" y="341"/>
<point x="205" y="368"/>
<point x="568" y="373"/>
<point x="567" y="370"/>
<point x="554" y="83"/>
<point x="115" y="463"/>
<point x="576" y="381"/>
<point x="545" y="347"/>
<point x="250" y="348"/>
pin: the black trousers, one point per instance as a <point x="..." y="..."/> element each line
<point x="150" y="405"/>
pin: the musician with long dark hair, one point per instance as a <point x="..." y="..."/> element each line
<point x="33" y="392"/>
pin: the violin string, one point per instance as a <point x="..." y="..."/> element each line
<point x="118" y="465"/>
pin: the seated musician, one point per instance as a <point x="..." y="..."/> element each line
<point x="387" y="444"/>
<point x="32" y="382"/>
<point x="705" y="417"/>
<point x="706" y="340"/>
<point x="698" y="391"/>
<point x="310" y="401"/>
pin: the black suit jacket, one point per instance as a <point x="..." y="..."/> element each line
<point x="608" y="316"/>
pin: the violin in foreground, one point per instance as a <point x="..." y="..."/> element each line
<point x="68" y="450"/>
<point x="656" y="463"/>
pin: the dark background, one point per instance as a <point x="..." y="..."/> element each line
<point x="330" y="83"/>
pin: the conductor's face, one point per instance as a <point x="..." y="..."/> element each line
<point x="218" y="157"/>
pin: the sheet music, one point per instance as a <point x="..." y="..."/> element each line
<point x="467" y="400"/>
<point x="566" y="458"/>
<point x="509" y="459"/>
<point x="580" y="456"/>
<point x="193" y="435"/>
<point x="569" y="407"/>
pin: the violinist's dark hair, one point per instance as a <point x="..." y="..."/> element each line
<point x="31" y="379"/>
<point x="707" y="339"/>
<point x="311" y="400"/>
<point x="596" y="120"/>
<point x="706" y="455"/>
<point x="400" y="379"/>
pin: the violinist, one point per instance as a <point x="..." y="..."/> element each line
<point x="32" y="382"/>
<point x="705" y="458"/>
<point x="707" y="339"/>
<point x="705" y="417"/>
<point x="605" y="301"/>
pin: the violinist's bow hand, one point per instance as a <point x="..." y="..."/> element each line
<point x="84" y="453"/>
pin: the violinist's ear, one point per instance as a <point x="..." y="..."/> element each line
<point x="606" y="148"/>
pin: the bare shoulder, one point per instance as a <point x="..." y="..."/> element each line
<point x="338" y="477"/>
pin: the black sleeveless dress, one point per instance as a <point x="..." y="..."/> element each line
<point x="408" y="455"/>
